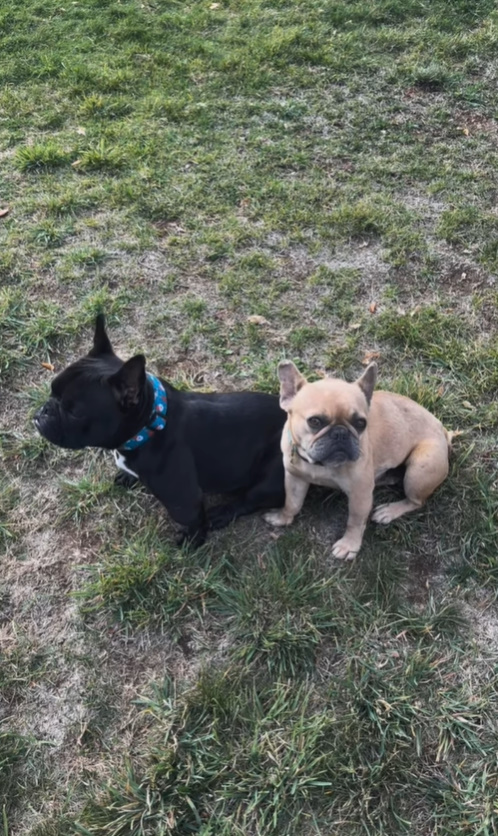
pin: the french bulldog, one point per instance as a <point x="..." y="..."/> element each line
<point x="344" y="435"/>
<point x="179" y="444"/>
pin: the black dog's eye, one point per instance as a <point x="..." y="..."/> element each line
<point x="358" y="423"/>
<point x="70" y="408"/>
<point x="315" y="423"/>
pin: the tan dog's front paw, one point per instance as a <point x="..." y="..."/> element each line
<point x="382" y="514"/>
<point x="346" y="548"/>
<point x="278" y="518"/>
<point x="385" y="514"/>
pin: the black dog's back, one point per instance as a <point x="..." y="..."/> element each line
<point x="231" y="436"/>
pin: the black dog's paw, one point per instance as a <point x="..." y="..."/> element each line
<point x="220" y="516"/>
<point x="191" y="539"/>
<point x="125" y="480"/>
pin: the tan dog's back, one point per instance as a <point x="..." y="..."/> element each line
<point x="397" y="425"/>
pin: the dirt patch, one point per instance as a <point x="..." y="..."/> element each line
<point x="464" y="278"/>
<point x="481" y="612"/>
<point x="472" y="123"/>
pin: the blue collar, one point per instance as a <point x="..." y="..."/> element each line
<point x="157" y="420"/>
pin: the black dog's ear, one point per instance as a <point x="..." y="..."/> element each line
<point x="101" y="342"/>
<point x="128" y="383"/>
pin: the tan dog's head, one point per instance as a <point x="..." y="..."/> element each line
<point x="326" y="418"/>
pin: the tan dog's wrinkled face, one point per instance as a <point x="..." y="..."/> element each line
<point x="326" y="418"/>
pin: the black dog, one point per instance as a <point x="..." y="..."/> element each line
<point x="179" y="444"/>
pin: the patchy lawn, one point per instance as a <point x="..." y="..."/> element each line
<point x="233" y="183"/>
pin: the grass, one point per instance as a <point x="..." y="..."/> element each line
<point x="150" y="582"/>
<point x="231" y="754"/>
<point x="13" y="749"/>
<point x="236" y="183"/>
<point x="40" y="156"/>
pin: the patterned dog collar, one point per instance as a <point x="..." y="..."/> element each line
<point x="157" y="420"/>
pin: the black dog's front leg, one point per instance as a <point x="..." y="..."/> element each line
<point x="177" y="488"/>
<point x="194" y="536"/>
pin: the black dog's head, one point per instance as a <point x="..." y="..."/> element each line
<point x="98" y="401"/>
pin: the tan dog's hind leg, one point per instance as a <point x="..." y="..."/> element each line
<point x="295" y="494"/>
<point x="360" y="505"/>
<point x="426" y="467"/>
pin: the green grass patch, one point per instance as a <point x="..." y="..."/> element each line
<point x="232" y="754"/>
<point x="80" y="499"/>
<point x="13" y="750"/>
<point x="280" y="614"/>
<point x="9" y="497"/>
<point x="150" y="582"/>
<point x="103" y="158"/>
<point x="41" y="156"/>
<point x="23" y="663"/>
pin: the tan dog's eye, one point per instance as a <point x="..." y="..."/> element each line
<point x="315" y="423"/>
<point x="359" y="423"/>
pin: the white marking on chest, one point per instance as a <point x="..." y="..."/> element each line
<point x="317" y="475"/>
<point x="121" y="463"/>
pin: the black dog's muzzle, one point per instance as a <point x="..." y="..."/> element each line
<point x="47" y="421"/>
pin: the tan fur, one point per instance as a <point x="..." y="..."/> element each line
<point x="399" y="431"/>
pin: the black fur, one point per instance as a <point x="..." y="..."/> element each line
<point x="212" y="443"/>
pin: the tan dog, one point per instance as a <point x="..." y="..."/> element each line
<point x="343" y="435"/>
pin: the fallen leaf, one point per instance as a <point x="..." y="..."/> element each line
<point x="440" y="391"/>
<point x="465" y="131"/>
<point x="467" y="405"/>
<point x="369" y="356"/>
<point x="372" y="307"/>
<point x="76" y="163"/>
<point x="81" y="131"/>
<point x="214" y="6"/>
<point x="48" y="366"/>
<point x="255" y="319"/>
<point x="354" y="326"/>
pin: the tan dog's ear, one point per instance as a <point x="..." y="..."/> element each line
<point x="367" y="381"/>
<point x="291" y="382"/>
